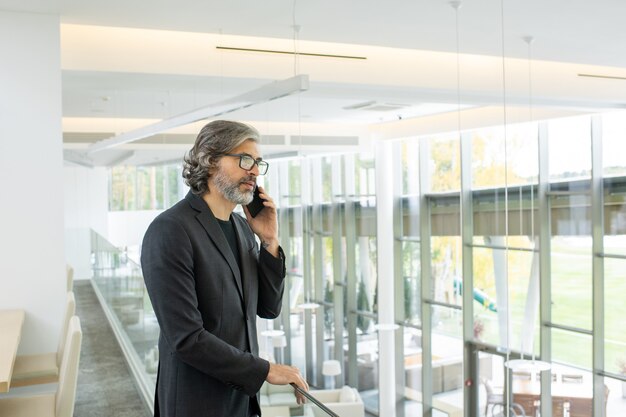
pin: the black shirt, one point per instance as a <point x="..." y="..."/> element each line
<point x="229" y="232"/>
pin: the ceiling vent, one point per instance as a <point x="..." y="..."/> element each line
<point x="376" y="106"/>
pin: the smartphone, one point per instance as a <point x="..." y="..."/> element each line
<point x="257" y="203"/>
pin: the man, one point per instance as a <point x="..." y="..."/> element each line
<point x="208" y="280"/>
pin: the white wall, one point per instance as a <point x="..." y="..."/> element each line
<point x="86" y="207"/>
<point x="32" y="262"/>
<point x="126" y="228"/>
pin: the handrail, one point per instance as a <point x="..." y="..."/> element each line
<point x="315" y="401"/>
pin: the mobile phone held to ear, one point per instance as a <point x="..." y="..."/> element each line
<point x="257" y="203"/>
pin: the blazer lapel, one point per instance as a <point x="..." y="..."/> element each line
<point x="209" y="223"/>
<point x="246" y="259"/>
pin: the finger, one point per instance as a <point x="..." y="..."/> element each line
<point x="266" y="197"/>
<point x="269" y="204"/>
<point x="303" y="384"/>
<point x="300" y="398"/>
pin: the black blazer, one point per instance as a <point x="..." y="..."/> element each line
<point x="206" y="308"/>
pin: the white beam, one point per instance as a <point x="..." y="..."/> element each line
<point x="268" y="92"/>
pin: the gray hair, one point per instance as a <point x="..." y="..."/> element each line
<point x="214" y="140"/>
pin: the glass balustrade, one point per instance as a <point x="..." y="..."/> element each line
<point x="118" y="282"/>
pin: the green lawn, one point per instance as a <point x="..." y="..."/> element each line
<point x="571" y="272"/>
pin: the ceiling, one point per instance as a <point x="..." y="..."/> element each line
<point x="131" y="63"/>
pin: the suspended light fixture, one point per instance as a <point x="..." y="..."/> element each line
<point x="269" y="92"/>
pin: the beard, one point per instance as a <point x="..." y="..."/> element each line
<point x="230" y="189"/>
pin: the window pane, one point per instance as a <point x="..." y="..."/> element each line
<point x="572" y="137"/>
<point x="411" y="281"/>
<point x="615" y="397"/>
<point x="614" y="314"/>
<point x="143" y="188"/>
<point x="446" y="268"/>
<point x="490" y="210"/>
<point x="410" y="166"/>
<point x="614" y="143"/>
<point x="571" y="272"/>
<point x="328" y="296"/>
<point x="413" y="358"/>
<point x="445" y="168"/>
<point x="366" y="282"/>
<point x="447" y="356"/>
<point x="367" y="363"/>
<point x="614" y="213"/>
<point x="326" y="183"/>
<point x="490" y="272"/>
<point x="562" y="342"/>
<point x="364" y="175"/>
<point x="489" y="167"/>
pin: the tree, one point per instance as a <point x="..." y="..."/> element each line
<point x="328" y="312"/>
<point x="362" y="304"/>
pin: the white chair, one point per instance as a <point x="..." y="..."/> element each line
<point x="515" y="410"/>
<point x="43" y="368"/>
<point x="346" y="402"/>
<point x="522" y="375"/>
<point x="277" y="396"/>
<point x="61" y="403"/>
<point x="69" y="273"/>
<point x="493" y="398"/>
<point x="572" y="378"/>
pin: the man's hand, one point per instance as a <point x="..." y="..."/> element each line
<point x="285" y="374"/>
<point x="265" y="224"/>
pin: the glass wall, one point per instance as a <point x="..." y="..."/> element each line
<point x="328" y="229"/>
<point x="513" y="231"/>
<point x="144" y="187"/>
<point x="521" y="184"/>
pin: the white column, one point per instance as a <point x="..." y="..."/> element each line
<point x="385" y="240"/>
<point x="32" y="264"/>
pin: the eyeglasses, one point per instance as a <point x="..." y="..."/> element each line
<point x="247" y="162"/>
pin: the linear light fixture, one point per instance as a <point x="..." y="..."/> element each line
<point x="610" y="77"/>
<point x="77" y="158"/>
<point x="260" y="95"/>
<point x="272" y="51"/>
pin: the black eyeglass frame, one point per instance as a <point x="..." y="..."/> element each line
<point x="263" y="165"/>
